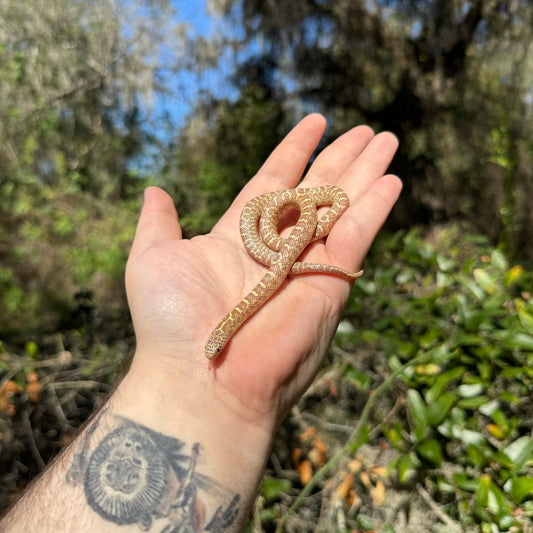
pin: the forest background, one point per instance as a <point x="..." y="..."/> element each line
<point x="100" y="99"/>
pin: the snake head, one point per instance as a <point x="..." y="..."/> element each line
<point x="215" y="344"/>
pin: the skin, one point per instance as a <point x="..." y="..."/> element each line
<point x="228" y="408"/>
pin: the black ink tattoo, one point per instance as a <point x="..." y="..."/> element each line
<point x="138" y="476"/>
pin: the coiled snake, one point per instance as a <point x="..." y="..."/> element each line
<point x="258" y="226"/>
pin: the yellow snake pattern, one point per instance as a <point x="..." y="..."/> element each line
<point x="258" y="226"/>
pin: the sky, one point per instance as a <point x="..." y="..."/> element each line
<point x="184" y="85"/>
<point x="194" y="13"/>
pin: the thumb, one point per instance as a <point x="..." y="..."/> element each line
<point x="158" y="221"/>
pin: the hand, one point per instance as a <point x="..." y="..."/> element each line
<point x="214" y="418"/>
<point x="178" y="290"/>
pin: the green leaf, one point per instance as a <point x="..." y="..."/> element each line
<point x="477" y="455"/>
<point x="405" y="275"/>
<point x="499" y="260"/>
<point x="360" y="379"/>
<point x="519" y="488"/>
<point x="463" y="481"/>
<point x="431" y="450"/>
<point x="467" y="436"/>
<point x="499" y="418"/>
<point x="405" y="466"/>
<point x="520" y="452"/>
<point x="439" y="408"/>
<point x="509" y="397"/>
<point x="273" y="488"/>
<point x="485" y="370"/>
<point x="365" y="522"/>
<point x="482" y="491"/>
<point x="471" y="286"/>
<point x="472" y="403"/>
<point x="269" y="514"/>
<point x="489" y="495"/>
<point x="417" y="408"/>
<point x="445" y="263"/>
<point x="513" y="339"/>
<point x="484" y="280"/>
<point x="440" y="354"/>
<point x="513" y="274"/>
<point x="394" y="436"/>
<point x="429" y="337"/>
<point x="525" y="317"/>
<point x="470" y="391"/>
<point x="441" y="381"/>
<point x="32" y="350"/>
<point x="497" y="501"/>
<point x="489" y="407"/>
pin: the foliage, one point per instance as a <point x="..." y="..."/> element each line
<point x="63" y="244"/>
<point x="469" y="403"/>
<point x="451" y="79"/>
<point x="72" y="80"/>
<point x="220" y="148"/>
<point x="453" y="320"/>
<point x="44" y="399"/>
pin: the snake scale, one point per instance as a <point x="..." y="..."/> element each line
<point x="258" y="226"/>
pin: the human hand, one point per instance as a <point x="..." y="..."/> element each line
<point x="178" y="290"/>
<point x="183" y="440"/>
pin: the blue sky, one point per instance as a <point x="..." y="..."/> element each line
<point x="186" y="85"/>
<point x="195" y="13"/>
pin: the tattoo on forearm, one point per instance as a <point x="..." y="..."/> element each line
<point x="138" y="476"/>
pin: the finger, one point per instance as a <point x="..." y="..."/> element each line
<point x="334" y="160"/>
<point x="370" y="165"/>
<point x="283" y="168"/>
<point x="353" y="234"/>
<point x="158" y="221"/>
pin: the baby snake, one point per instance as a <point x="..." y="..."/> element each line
<point x="259" y="233"/>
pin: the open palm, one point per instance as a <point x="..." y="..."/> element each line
<point x="179" y="289"/>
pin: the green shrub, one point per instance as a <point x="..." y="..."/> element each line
<point x="465" y="432"/>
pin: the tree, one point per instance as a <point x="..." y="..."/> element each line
<point x="76" y="80"/>
<point x="222" y="145"/>
<point x="451" y="79"/>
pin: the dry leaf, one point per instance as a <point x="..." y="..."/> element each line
<point x="296" y="456"/>
<point x="365" y="479"/>
<point x="496" y="431"/>
<point x="345" y="486"/>
<point x="33" y="387"/>
<point x="64" y="357"/>
<point x="378" y="493"/>
<point x="318" y="453"/>
<point x="355" y="465"/>
<point x="307" y="434"/>
<point x="33" y="390"/>
<point x="6" y="392"/>
<point x="353" y="500"/>
<point x="379" y="471"/>
<point x="306" y="471"/>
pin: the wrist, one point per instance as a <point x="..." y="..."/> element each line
<point x="161" y="453"/>
<point x="233" y="446"/>
<point x="183" y="406"/>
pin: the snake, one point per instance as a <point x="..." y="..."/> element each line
<point x="258" y="227"/>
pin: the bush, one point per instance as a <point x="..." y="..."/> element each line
<point x="453" y="319"/>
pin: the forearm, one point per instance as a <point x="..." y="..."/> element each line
<point x="149" y="461"/>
